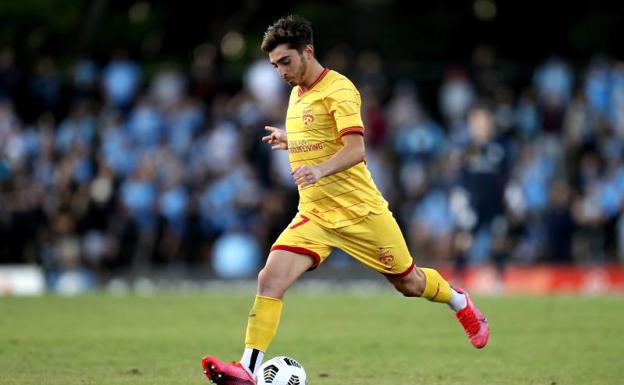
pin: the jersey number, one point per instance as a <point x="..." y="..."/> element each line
<point x="303" y="220"/>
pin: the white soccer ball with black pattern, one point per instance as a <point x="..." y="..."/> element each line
<point x="282" y="371"/>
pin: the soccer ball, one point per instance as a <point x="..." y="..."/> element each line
<point x="282" y="371"/>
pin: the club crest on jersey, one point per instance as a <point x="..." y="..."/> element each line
<point x="385" y="257"/>
<point x="307" y="116"/>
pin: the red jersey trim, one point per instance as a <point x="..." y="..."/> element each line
<point x="300" y="250"/>
<point x="302" y="90"/>
<point x="351" y="130"/>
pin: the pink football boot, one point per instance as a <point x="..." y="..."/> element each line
<point x="222" y="373"/>
<point x="474" y="322"/>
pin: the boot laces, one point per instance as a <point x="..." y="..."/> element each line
<point x="470" y="322"/>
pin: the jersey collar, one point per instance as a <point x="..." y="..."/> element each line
<point x="302" y="90"/>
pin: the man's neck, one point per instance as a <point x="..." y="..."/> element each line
<point x="315" y="70"/>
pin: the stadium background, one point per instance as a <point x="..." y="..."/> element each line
<point x="130" y="137"/>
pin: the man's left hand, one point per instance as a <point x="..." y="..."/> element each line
<point x="306" y="175"/>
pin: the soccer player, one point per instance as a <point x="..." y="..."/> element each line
<point x="339" y="204"/>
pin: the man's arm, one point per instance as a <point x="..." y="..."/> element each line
<point x="348" y="156"/>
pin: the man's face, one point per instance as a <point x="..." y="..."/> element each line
<point x="290" y="64"/>
<point x="481" y="124"/>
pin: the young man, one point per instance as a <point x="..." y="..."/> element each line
<point x="339" y="204"/>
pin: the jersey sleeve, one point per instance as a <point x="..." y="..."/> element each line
<point x="344" y="104"/>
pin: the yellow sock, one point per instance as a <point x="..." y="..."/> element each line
<point x="263" y="321"/>
<point x="436" y="287"/>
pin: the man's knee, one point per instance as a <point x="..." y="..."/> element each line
<point x="271" y="284"/>
<point x="408" y="290"/>
<point x="265" y="278"/>
<point x="412" y="285"/>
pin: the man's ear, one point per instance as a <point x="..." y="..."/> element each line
<point x="309" y="50"/>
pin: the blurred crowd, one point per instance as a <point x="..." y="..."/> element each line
<point x="106" y="167"/>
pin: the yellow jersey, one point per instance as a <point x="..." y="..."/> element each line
<point x="316" y="120"/>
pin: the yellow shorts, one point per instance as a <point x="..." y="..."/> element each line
<point x="376" y="241"/>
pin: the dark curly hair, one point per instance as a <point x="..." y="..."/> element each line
<point x="293" y="30"/>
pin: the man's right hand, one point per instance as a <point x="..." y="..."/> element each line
<point x="276" y="138"/>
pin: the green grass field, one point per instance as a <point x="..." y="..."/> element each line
<point x="341" y="339"/>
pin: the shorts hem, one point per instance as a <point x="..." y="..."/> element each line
<point x="300" y="250"/>
<point x="403" y="274"/>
